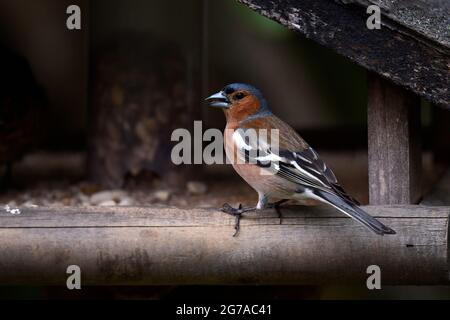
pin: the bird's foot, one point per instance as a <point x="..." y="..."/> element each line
<point x="276" y="206"/>
<point x="237" y="213"/>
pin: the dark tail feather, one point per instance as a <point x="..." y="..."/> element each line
<point x="354" y="212"/>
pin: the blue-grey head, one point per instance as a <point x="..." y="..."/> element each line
<point x="240" y="101"/>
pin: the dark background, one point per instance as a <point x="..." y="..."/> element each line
<point x="316" y="91"/>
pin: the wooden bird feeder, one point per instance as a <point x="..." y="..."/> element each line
<point x="408" y="58"/>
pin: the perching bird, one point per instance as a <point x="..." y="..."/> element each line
<point x="278" y="163"/>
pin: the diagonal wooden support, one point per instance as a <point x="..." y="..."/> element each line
<point x="406" y="51"/>
<point x="394" y="144"/>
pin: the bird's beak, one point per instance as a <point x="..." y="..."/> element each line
<point x="218" y="100"/>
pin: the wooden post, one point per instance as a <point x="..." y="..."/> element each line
<point x="394" y="144"/>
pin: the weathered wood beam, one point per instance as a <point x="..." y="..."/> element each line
<point x="429" y="19"/>
<point x="400" y="51"/>
<point x="394" y="144"/>
<point x="160" y="246"/>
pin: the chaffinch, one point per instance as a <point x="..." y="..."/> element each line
<point x="280" y="166"/>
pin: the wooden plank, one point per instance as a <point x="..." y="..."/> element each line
<point x="163" y="246"/>
<point x="406" y="56"/>
<point x="395" y="159"/>
<point x="163" y="216"/>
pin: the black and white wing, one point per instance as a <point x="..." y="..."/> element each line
<point x="303" y="167"/>
<point x="309" y="172"/>
<point x="307" y="169"/>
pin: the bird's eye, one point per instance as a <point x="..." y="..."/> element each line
<point x="239" y="95"/>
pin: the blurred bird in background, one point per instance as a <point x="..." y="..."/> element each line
<point x="282" y="170"/>
<point x="21" y="105"/>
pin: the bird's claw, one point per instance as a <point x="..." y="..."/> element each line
<point x="276" y="206"/>
<point x="237" y="213"/>
<point x="232" y="211"/>
<point x="277" y="209"/>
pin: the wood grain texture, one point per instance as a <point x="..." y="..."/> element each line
<point x="402" y="51"/>
<point x="429" y="18"/>
<point x="160" y="245"/>
<point x="394" y="146"/>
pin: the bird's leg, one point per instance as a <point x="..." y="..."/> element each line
<point x="276" y="206"/>
<point x="262" y="204"/>
<point x="237" y="213"/>
<point x="262" y="201"/>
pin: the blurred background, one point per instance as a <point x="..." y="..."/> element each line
<point x="86" y="115"/>
<point x="159" y="59"/>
